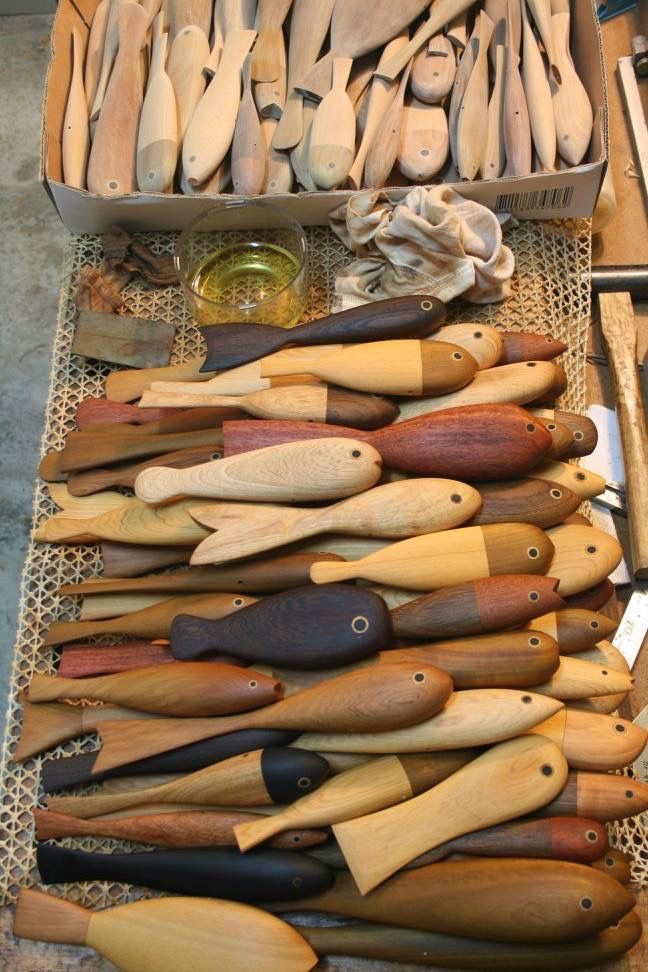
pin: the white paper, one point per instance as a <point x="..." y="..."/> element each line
<point x="607" y="458"/>
<point x="602" y="519"/>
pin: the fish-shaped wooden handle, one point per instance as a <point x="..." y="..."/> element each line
<point x="83" y="661"/>
<point x="248" y="156"/>
<point x="451" y="557"/>
<point x="403" y="508"/>
<point x="441" y="14"/>
<point x="582" y="481"/>
<point x="472" y="443"/>
<point x="211" y="128"/>
<point x="472" y="123"/>
<point x="173" y="421"/>
<point x="520" y="775"/>
<point x="67" y="771"/>
<point x="476" y="607"/>
<point x="389" y="944"/>
<point x="76" y="133"/>
<point x="594" y="598"/>
<point x="381" y="696"/>
<point x="583" y="556"/>
<point x="601" y="796"/>
<point x="529" y="346"/>
<point x="481" y="898"/>
<point x="194" y="689"/>
<point x="572" y="109"/>
<point x="510" y="659"/>
<point x="536" y="87"/>
<point x="517" y="383"/>
<point x="157" y="138"/>
<point x="473" y="717"/>
<point x="165" y="526"/>
<point x="188" y="54"/>
<point x="111" y="166"/>
<point x="433" y="71"/>
<point x="593" y="740"/>
<point x="423" y="148"/>
<point x="301" y="628"/>
<point x="229" y="345"/>
<point x="256" y="778"/>
<point x="582" y="428"/>
<point x="93" y="480"/>
<point x="173" y="933"/>
<point x="87" y="450"/>
<point x="362" y="789"/>
<point x="199" y="828"/>
<point x="484" y="343"/>
<point x="578" y="678"/>
<point x="293" y="472"/>
<point x="265" y="64"/>
<point x="307" y="403"/>
<point x="151" y="622"/>
<point x="575" y="629"/>
<point x="130" y="560"/>
<point x="537" y="501"/>
<point x="223" y="872"/>
<point x="332" y="139"/>
<point x="401" y="367"/>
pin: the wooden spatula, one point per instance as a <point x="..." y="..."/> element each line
<point x="383" y="151"/>
<point x="94" y="480"/>
<point x="182" y="13"/>
<point x="433" y="70"/>
<point x="176" y="934"/>
<point x="538" y="93"/>
<point x="188" y="54"/>
<point x="516" y="124"/>
<point x="583" y="556"/>
<point x="572" y="109"/>
<point x="248" y="143"/>
<point x="110" y="45"/>
<point x="332" y="142"/>
<point x="111" y="167"/>
<point x="353" y="34"/>
<point x="211" y="128"/>
<point x="94" y="53"/>
<point x="405" y="508"/>
<point x="379" y="697"/>
<point x="520" y="776"/>
<point x="493" y="159"/>
<point x="157" y="139"/>
<point x="265" y="63"/>
<point x="424" y="141"/>
<point x="472" y="123"/>
<point x="76" y="133"/>
<point x="293" y="472"/>
<point x="230" y="345"/>
<point x="309" y="22"/>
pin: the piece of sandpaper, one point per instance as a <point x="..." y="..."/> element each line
<point x="123" y="340"/>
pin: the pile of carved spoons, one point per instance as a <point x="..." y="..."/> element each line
<point x="381" y="622"/>
<point x="279" y="96"/>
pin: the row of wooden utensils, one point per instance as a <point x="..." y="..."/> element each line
<point x="389" y="98"/>
<point x="450" y="718"/>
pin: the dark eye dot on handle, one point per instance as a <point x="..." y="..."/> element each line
<point x="594" y="624"/>
<point x="551" y="426"/>
<point x="547" y="770"/>
<point x="591" y="836"/>
<point x="297" y="882"/>
<point x="586" y="903"/>
<point x="534" y="642"/>
<point x="419" y="677"/>
<point x="533" y="553"/>
<point x="356" y="453"/>
<point x="360" y="624"/>
<point x="629" y="794"/>
<point x="457" y="355"/>
<point x="216" y="455"/>
<point x="556" y="493"/>
<point x="239" y="602"/>
<point x="620" y="727"/>
<point x="455" y="498"/>
<point x="534" y="596"/>
<point x="549" y="340"/>
<point x="253" y="683"/>
<point x="580" y="476"/>
<point x="578" y="436"/>
<point x="531" y="364"/>
<point x="303" y="782"/>
<point x="478" y="334"/>
<point x="530" y="427"/>
<point x="603" y="671"/>
<point x="609" y="862"/>
<point x="527" y="699"/>
<point x="296" y="838"/>
<point x="591" y="549"/>
<point x="113" y="184"/>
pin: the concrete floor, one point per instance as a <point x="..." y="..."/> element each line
<point x="31" y="250"/>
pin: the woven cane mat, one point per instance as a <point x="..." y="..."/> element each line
<point x="551" y="294"/>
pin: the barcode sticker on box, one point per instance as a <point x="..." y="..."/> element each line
<point x="520" y="202"/>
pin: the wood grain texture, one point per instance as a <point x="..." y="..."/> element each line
<point x="404" y="508"/>
<point x="537" y="89"/>
<point x="472" y="121"/>
<point x="593" y="598"/>
<point x="494" y="153"/>
<point x="473" y="443"/>
<point x="199" y="828"/>
<point x="266" y="65"/>
<point x="442" y="13"/>
<point x="582" y="428"/>
<point x="464" y="68"/>
<point x="476" y="607"/>
<point x="76" y="133"/>
<point x="572" y="109"/>
<point x="619" y="330"/>
<point x="171" y="932"/>
<point x="593" y="740"/>
<point x="583" y="556"/>
<point x="580" y="480"/>
<point x="433" y="71"/>
<point x="578" y="678"/>
<point x="383" y="151"/>
<point x="473" y="717"/>
<point x="151" y="622"/>
<point x="87" y="450"/>
<point x="575" y="629"/>
<point x="193" y="689"/>
<point x="423" y="147"/>
<point x="187" y="57"/>
<point x="91" y="481"/>
<point x="510" y="659"/>
<point x="126" y="386"/>
<point x="451" y="557"/>
<point x="536" y="501"/>
<point x="123" y="340"/>
<point x="362" y="789"/>
<point x="94" y="53"/>
<point x="616" y="864"/>
<point x="99" y="412"/>
<point x="82" y="661"/>
<point x="248" y="155"/>
<point x="256" y="778"/>
<point x="600" y="796"/>
<point x="130" y="560"/>
<point x="111" y="166"/>
<point x="310" y="628"/>
<point x="230" y="345"/>
<point x="388" y="696"/>
<point x="157" y="138"/>
<point x="480" y="898"/>
<point x="520" y="775"/>
<point x="516" y="383"/>
<point x="292" y="472"/>
<point x="484" y="343"/>
<point x="528" y="346"/>
<point x="516" y="123"/>
<point x="332" y="140"/>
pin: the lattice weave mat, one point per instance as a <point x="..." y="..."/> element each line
<point x="551" y="294"/>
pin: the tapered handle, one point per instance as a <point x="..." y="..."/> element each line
<point x="85" y="450"/>
<point x="230" y="345"/>
<point x="537" y="501"/>
<point x="519" y="776"/>
<point x="44" y="918"/>
<point x="93" y="480"/>
<point x="441" y="14"/>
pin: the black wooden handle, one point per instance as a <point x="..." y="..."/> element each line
<point x="291" y="773"/>
<point x="216" y="872"/>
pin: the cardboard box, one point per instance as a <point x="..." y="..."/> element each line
<point x="567" y="193"/>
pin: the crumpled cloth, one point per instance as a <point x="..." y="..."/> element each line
<point x="431" y="242"/>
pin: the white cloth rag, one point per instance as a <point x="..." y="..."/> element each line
<point x="431" y="242"/>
